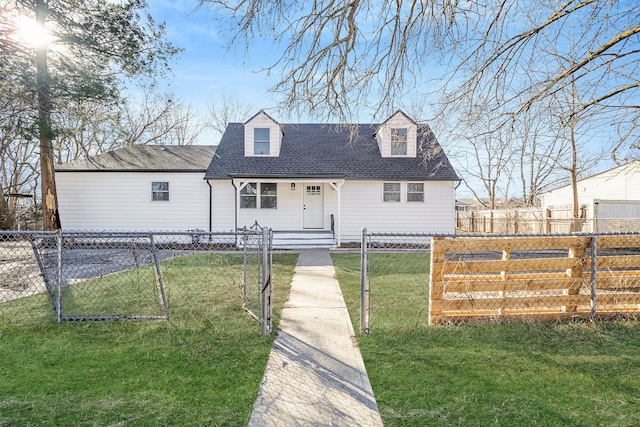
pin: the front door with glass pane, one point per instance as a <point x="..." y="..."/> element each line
<point x="313" y="209"/>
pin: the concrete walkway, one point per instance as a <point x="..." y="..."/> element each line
<point x="315" y="375"/>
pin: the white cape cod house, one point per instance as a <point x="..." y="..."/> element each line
<point x="388" y="177"/>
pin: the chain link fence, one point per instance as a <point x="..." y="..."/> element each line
<point x="113" y="276"/>
<point x="423" y="279"/>
<point x="394" y="279"/>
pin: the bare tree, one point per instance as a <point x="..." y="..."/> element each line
<point x="183" y="123"/>
<point x="227" y="111"/>
<point x="158" y="119"/>
<point x="574" y="124"/>
<point x="87" y="128"/>
<point x="336" y="55"/>
<point x="537" y="152"/>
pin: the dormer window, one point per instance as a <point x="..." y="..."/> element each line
<point x="398" y="136"/>
<point x="262" y="136"/>
<point x="398" y="141"/>
<point x="261" y="141"/>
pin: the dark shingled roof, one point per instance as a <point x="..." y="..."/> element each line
<point x="316" y="150"/>
<point x="146" y="158"/>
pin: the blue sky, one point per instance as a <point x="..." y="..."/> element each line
<point x="206" y="71"/>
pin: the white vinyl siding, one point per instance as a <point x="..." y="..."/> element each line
<point x="122" y="201"/>
<point x="362" y="206"/>
<point x="621" y="183"/>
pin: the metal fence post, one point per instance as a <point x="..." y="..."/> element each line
<point x="364" y="284"/>
<point x="245" y="264"/>
<point x="156" y="262"/>
<point x="270" y="294"/>
<point x="594" y="272"/>
<point x="59" y="277"/>
<point x="265" y="281"/>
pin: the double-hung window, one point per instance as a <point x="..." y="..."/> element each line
<point x="398" y="141"/>
<point x="160" y="191"/>
<point x="261" y="142"/>
<point x="248" y="196"/>
<point x="268" y="195"/>
<point x="268" y="199"/>
<point x="391" y="192"/>
<point x="415" y="191"/>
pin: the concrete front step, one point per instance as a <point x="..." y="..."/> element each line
<point x="303" y="239"/>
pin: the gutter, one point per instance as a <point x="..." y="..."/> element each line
<point x="210" y="205"/>
<point x="235" y="204"/>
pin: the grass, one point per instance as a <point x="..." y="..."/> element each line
<point x="548" y="374"/>
<point x="204" y="365"/>
<point x="201" y="367"/>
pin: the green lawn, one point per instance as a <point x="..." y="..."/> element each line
<point x="546" y="374"/>
<point x="202" y="367"/>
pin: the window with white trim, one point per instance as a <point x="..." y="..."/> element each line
<point x="415" y="191"/>
<point x="268" y="195"/>
<point x="268" y="199"/>
<point x="399" y="141"/>
<point x="261" y="141"/>
<point x="160" y="191"/>
<point x="391" y="192"/>
<point x="249" y="196"/>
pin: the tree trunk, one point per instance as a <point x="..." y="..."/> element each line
<point x="575" y="222"/>
<point x="6" y="216"/>
<point x="51" y="219"/>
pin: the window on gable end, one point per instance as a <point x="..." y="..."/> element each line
<point x="261" y="141"/>
<point x="399" y="141"/>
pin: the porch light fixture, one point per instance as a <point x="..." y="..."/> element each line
<point x="293" y="186"/>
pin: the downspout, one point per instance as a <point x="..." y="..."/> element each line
<point x="210" y="206"/>
<point x="235" y="205"/>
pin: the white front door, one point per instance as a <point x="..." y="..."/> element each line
<point x="313" y="207"/>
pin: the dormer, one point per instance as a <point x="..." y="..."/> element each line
<point x="397" y="136"/>
<point x="262" y="136"/>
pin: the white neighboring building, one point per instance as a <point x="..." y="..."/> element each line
<point x="388" y="177"/>
<point x="611" y="197"/>
<point x="141" y="187"/>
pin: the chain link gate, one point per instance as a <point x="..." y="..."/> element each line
<point x="124" y="275"/>
<point x="397" y="265"/>
<point x="257" y="286"/>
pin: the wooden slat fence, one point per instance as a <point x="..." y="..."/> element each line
<point x="514" y="278"/>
